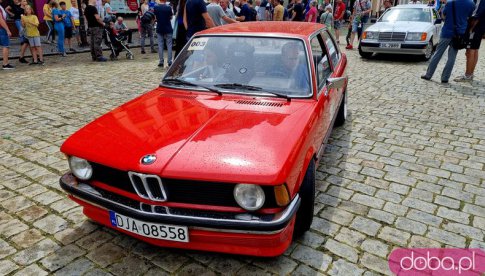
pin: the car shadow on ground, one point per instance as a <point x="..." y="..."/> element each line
<point x="395" y="58"/>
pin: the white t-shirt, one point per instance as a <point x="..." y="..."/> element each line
<point x="4" y="13"/>
<point x="75" y="13"/>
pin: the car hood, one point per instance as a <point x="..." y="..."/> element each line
<point x="195" y="136"/>
<point x="401" y="26"/>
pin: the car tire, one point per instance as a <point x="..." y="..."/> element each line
<point x="304" y="215"/>
<point x="429" y="50"/>
<point x="342" y="111"/>
<point x="365" y="55"/>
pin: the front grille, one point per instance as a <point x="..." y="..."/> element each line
<point x="148" y="186"/>
<point x="176" y="190"/>
<point x="392" y="36"/>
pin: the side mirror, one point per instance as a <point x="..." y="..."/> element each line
<point x="438" y="21"/>
<point x="336" y="83"/>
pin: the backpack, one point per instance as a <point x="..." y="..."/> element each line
<point x="147" y="17"/>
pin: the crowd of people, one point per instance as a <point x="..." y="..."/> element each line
<point x="192" y="16"/>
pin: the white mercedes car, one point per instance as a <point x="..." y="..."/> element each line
<point x="411" y="29"/>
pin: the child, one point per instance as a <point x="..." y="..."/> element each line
<point x="68" y="25"/>
<point x="30" y="22"/>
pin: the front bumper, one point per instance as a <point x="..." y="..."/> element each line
<point x="250" y="234"/>
<point x="415" y="48"/>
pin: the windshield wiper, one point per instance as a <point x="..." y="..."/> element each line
<point x="249" y="87"/>
<point x="184" y="82"/>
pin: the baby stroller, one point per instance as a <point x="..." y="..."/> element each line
<point x="114" y="40"/>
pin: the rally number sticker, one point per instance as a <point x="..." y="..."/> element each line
<point x="198" y="44"/>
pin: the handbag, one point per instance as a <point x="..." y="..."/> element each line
<point x="458" y="41"/>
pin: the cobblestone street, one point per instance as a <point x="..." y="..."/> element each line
<point x="406" y="170"/>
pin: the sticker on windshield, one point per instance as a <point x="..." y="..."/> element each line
<point x="198" y="44"/>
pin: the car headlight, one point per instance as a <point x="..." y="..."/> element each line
<point x="416" y="36"/>
<point x="249" y="196"/>
<point x="80" y="168"/>
<point x="370" y="35"/>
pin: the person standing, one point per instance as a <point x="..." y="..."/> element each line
<point x="362" y="9"/>
<point x="16" y="11"/>
<point x="338" y="17"/>
<point x="327" y="19"/>
<point x="475" y="34"/>
<point x="181" y="35"/>
<point x="450" y="29"/>
<point x="95" y="30"/>
<point x="262" y="10"/>
<point x="75" y="16"/>
<point x="30" y="22"/>
<point x="164" y="14"/>
<point x="229" y="12"/>
<point x="47" y="9"/>
<point x="279" y="11"/>
<point x="217" y="14"/>
<point x="312" y="14"/>
<point x="68" y="25"/>
<point x="147" y="21"/>
<point x="298" y="11"/>
<point x="196" y="17"/>
<point x="5" y="35"/>
<point x="58" y="17"/>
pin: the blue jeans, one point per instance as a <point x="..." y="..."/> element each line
<point x="59" y="27"/>
<point x="445" y="43"/>
<point x="168" y="40"/>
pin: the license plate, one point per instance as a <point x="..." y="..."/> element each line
<point x="148" y="229"/>
<point x="390" y="45"/>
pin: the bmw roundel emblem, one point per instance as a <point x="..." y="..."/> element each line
<point x="148" y="159"/>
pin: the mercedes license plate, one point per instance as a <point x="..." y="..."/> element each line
<point x="390" y="45"/>
<point x="148" y="229"/>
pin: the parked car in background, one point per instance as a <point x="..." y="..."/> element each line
<point x="223" y="155"/>
<point x="411" y="29"/>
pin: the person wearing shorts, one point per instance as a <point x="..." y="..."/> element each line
<point x="338" y="16"/>
<point x="476" y="30"/>
<point x="68" y="25"/>
<point x="75" y="15"/>
<point x="5" y="35"/>
<point x="362" y="9"/>
<point x="30" y="22"/>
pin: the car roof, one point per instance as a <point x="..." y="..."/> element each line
<point x="416" y="6"/>
<point x="271" y="28"/>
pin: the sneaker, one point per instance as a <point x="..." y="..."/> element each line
<point x="72" y="50"/>
<point x="101" y="59"/>
<point x="160" y="64"/>
<point x="34" y="63"/>
<point x="8" y="67"/>
<point x="464" y="78"/>
<point x="349" y="47"/>
<point x="64" y="54"/>
<point x="23" y="60"/>
<point x="444" y="81"/>
<point x="169" y="64"/>
<point x="424" y="77"/>
<point x="153" y="51"/>
<point x="40" y="62"/>
<point x="143" y="52"/>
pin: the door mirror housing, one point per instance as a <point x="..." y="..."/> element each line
<point x="336" y="83"/>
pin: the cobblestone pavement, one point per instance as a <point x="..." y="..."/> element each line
<point x="407" y="170"/>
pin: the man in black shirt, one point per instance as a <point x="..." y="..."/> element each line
<point x="95" y="30"/>
<point x="298" y="10"/>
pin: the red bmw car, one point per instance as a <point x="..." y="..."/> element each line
<point x="222" y="156"/>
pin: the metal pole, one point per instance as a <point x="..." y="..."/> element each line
<point x="82" y="25"/>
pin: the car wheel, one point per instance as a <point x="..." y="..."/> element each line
<point x="428" y="52"/>
<point x="342" y="111"/>
<point x="365" y="54"/>
<point x="304" y="216"/>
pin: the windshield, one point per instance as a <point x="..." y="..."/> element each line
<point x="407" y="14"/>
<point x="250" y="65"/>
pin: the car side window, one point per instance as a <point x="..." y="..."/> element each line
<point x="333" y="52"/>
<point x="320" y="58"/>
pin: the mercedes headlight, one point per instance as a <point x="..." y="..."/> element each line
<point x="80" y="168"/>
<point x="249" y="196"/>
<point x="370" y="35"/>
<point x="416" y="36"/>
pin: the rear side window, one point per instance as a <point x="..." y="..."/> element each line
<point x="333" y="52"/>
